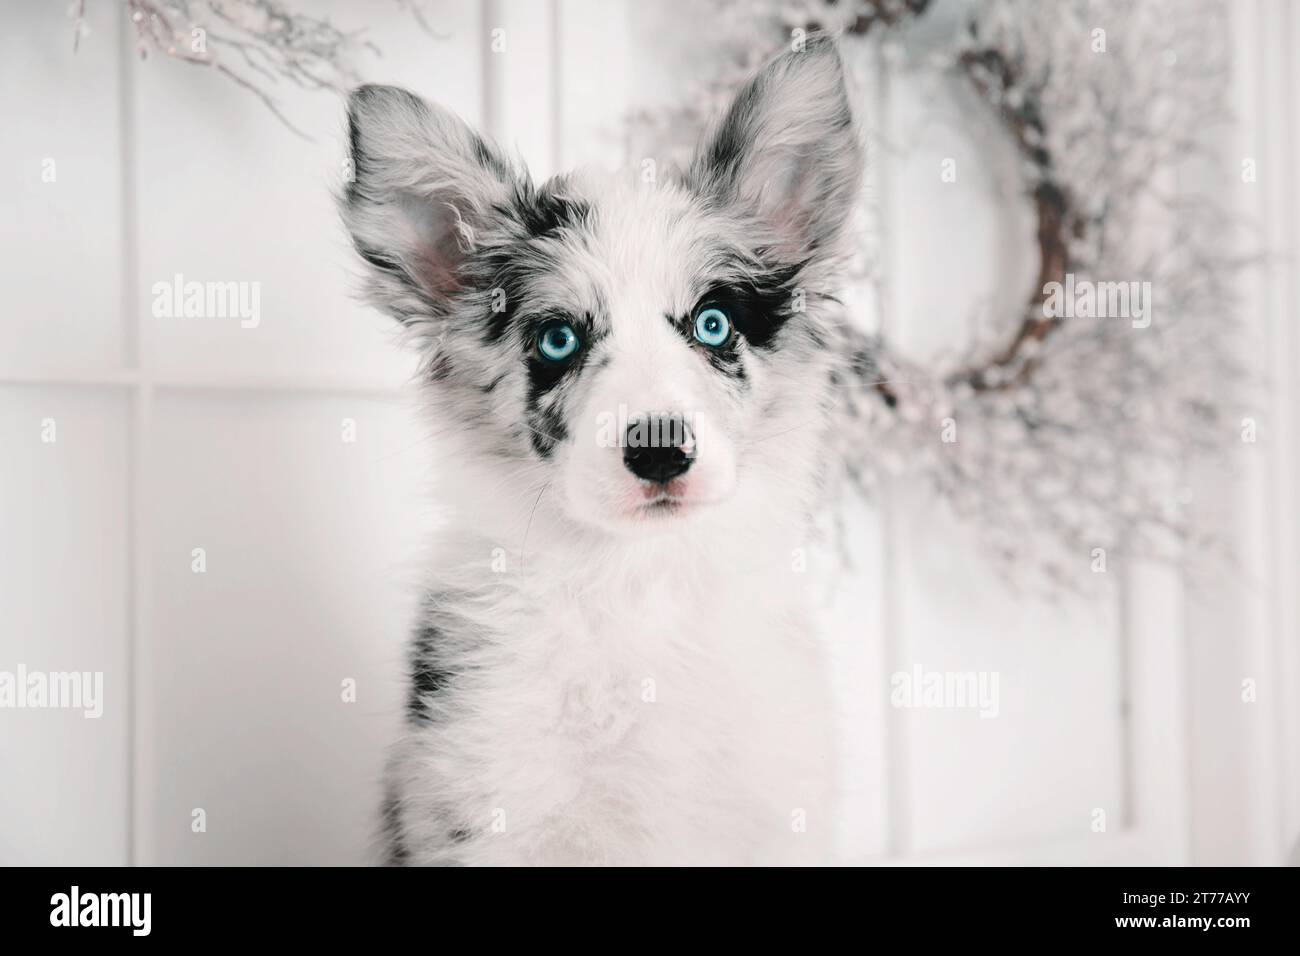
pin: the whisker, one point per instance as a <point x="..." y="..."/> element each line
<point x="532" y="514"/>
<point x="784" y="431"/>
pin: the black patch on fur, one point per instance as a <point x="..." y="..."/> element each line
<point x="733" y="139"/>
<point x="428" y="676"/>
<point x="726" y="358"/>
<point x="547" y="428"/>
<point x="728" y="362"/>
<point x="357" y="190"/>
<point x="543" y="213"/>
<point x="863" y="365"/>
<point x="382" y="262"/>
<point x="489" y="159"/>
<point x="759" y="307"/>
<point x="546" y="419"/>
<point x="395" y="852"/>
<point x="505" y="270"/>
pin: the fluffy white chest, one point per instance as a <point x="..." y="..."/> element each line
<point x="645" y="708"/>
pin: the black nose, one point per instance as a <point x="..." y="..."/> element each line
<point x="658" y="447"/>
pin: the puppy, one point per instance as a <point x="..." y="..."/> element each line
<point x="630" y="386"/>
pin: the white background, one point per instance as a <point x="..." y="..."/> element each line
<point x="223" y="688"/>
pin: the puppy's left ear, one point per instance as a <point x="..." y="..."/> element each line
<point x="787" y="150"/>
<point x="425" y="190"/>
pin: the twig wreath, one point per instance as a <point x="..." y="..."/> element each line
<point x="1063" y="432"/>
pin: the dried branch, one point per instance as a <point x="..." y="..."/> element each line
<point x="256" y="44"/>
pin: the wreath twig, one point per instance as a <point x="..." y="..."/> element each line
<point x="261" y="43"/>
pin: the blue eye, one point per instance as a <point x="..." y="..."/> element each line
<point x="557" y="342"/>
<point x="712" y="327"/>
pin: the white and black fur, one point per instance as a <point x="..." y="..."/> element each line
<point x="608" y="670"/>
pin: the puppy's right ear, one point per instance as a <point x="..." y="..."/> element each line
<point x="423" y="184"/>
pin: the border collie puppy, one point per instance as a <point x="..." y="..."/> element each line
<point x="630" y="385"/>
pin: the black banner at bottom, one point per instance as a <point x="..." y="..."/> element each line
<point x="930" y="905"/>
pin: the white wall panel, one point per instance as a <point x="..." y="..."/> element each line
<point x="309" y="543"/>
<point x="1051" y="752"/>
<point x="64" y="552"/>
<point x="227" y="193"/>
<point x="60" y="240"/>
<point x="1246" y="773"/>
<point x="594" y="76"/>
<point x="521" y="38"/>
<point x="853" y="619"/>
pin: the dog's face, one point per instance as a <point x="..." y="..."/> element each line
<point x="651" y="345"/>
